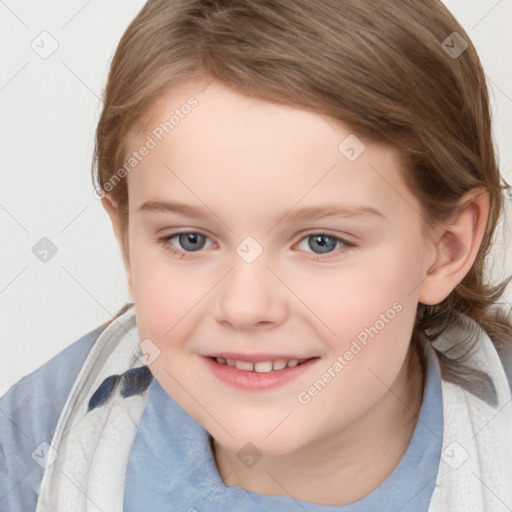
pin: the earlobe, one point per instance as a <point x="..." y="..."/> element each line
<point x="458" y="242"/>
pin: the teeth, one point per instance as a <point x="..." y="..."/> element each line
<point x="279" y="364"/>
<point x="261" y="366"/>
<point x="244" y="365"/>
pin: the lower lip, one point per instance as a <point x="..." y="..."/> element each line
<point x="257" y="381"/>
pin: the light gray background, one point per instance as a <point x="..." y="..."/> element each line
<point x="49" y="110"/>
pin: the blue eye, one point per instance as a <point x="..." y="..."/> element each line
<point x="324" y="245"/>
<point x="188" y="242"/>
<point x="191" y="241"/>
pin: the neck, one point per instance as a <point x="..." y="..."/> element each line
<point x="361" y="455"/>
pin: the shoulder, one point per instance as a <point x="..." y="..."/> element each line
<point x="29" y="412"/>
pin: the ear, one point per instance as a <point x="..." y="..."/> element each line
<point x="456" y="248"/>
<point x="110" y="206"/>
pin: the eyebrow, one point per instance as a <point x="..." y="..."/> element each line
<point x="299" y="215"/>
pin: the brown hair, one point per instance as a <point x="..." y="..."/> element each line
<point x="381" y="67"/>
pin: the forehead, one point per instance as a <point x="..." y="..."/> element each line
<point x="212" y="143"/>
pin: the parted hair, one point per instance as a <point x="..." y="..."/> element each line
<point x="381" y="67"/>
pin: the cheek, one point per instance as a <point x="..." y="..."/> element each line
<point x="165" y="297"/>
<point x="367" y="354"/>
<point x="375" y="290"/>
<point x="370" y="312"/>
<point x="163" y="292"/>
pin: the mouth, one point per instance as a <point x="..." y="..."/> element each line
<point x="259" y="375"/>
<point x="260" y="366"/>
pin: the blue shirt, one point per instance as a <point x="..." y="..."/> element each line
<point x="172" y="465"/>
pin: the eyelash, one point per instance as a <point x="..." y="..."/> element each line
<point x="165" y="242"/>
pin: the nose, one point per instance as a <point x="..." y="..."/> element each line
<point x="251" y="297"/>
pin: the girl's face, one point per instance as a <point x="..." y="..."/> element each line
<point x="304" y="243"/>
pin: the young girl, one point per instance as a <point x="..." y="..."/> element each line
<point x="305" y="194"/>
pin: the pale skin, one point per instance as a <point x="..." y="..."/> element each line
<point x="246" y="162"/>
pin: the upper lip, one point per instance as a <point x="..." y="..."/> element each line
<point x="255" y="358"/>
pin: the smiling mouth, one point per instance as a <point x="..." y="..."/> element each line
<point x="261" y="366"/>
